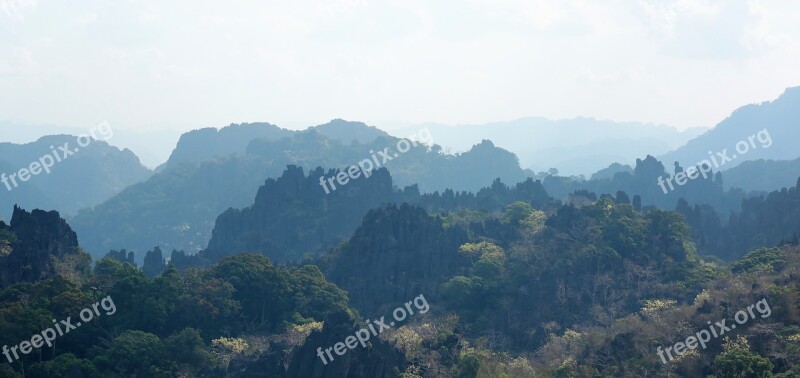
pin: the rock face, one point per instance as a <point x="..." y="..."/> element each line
<point x="293" y="215"/>
<point x="39" y="245"/>
<point x="154" y="263"/>
<point x="203" y="144"/>
<point x="397" y="254"/>
<point x="122" y="256"/>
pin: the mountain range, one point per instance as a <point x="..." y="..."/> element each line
<point x="573" y="146"/>
<point x="79" y="180"/>
<point x="277" y="254"/>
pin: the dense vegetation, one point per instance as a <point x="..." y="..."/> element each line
<point x="527" y="275"/>
<point x="176" y="208"/>
<point x="529" y="288"/>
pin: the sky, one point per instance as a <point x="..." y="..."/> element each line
<point x="180" y="65"/>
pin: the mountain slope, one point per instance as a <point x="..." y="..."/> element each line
<point x="763" y="175"/>
<point x="779" y="119"/>
<point x="204" y="144"/>
<point x="38" y="245"/>
<point x="176" y="208"/>
<point x="152" y="147"/>
<point x="173" y="209"/>
<point x="88" y="176"/>
<point x="347" y="131"/>
<point x="574" y="146"/>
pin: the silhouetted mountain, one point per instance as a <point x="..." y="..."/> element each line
<point x="764" y="221"/>
<point x="763" y="175"/>
<point x="655" y="186"/>
<point x="154" y="263"/>
<point x="398" y="252"/>
<point x="575" y="146"/>
<point x="121" y="256"/>
<point x="609" y="172"/>
<point x="31" y="197"/>
<point x="348" y="131"/>
<point x="152" y="147"/>
<point x="204" y="144"/>
<point x="38" y="245"/>
<point x="424" y="165"/>
<point x="292" y="216"/>
<point x="86" y="177"/>
<point x="779" y="117"/>
<point x="176" y="208"/>
<point x="548" y="271"/>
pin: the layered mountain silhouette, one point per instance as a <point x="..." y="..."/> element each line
<point x="293" y="218"/>
<point x="176" y="208"/>
<point x="205" y="144"/>
<point x="574" y="146"/>
<point x="763" y="175"/>
<point x="38" y="245"/>
<point x="778" y="117"/>
<point x="153" y="147"/>
<point x="83" y="179"/>
<point x="253" y="268"/>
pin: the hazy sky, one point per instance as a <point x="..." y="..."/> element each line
<point x="189" y="64"/>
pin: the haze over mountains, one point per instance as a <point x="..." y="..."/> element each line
<point x="400" y="189"/>
<point x="211" y="170"/>
<point x="83" y="179"/>
<point x="575" y="146"/>
<point x="779" y="117"/>
<point x="239" y="243"/>
<point x="176" y="208"/>
<point x="152" y="147"/>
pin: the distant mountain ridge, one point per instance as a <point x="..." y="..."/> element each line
<point x="347" y="131"/>
<point x="780" y="117"/>
<point x="292" y="217"/>
<point x="763" y="175"/>
<point x="204" y="144"/>
<point x="83" y="179"/>
<point x="152" y="147"/>
<point x="176" y="208"/>
<point x="573" y="146"/>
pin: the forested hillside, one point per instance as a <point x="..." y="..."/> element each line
<point x="74" y="179"/>
<point x="176" y="208"/>
<point x="564" y="291"/>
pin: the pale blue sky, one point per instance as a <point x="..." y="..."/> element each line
<point x="189" y="64"/>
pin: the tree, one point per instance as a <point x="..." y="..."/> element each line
<point x="263" y="290"/>
<point x="227" y="348"/>
<point x="516" y="212"/>
<point x="65" y="365"/>
<point x="134" y="353"/>
<point x="186" y="348"/>
<point x="737" y="361"/>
